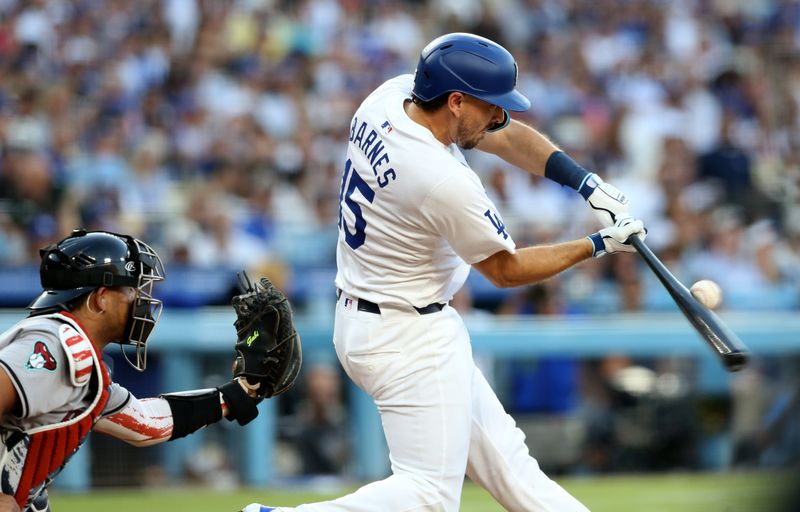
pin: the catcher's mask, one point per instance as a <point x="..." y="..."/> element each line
<point x="87" y="260"/>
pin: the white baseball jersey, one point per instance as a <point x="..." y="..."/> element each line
<point x="413" y="215"/>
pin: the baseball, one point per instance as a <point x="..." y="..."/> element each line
<point x="707" y="292"/>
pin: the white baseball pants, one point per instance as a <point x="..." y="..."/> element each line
<point x="441" y="418"/>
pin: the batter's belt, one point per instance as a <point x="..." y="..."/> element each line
<point x="370" y="307"/>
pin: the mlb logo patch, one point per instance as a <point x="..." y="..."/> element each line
<point x="386" y="127"/>
<point x="348" y="303"/>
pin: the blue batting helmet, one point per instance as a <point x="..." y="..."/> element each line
<point x="470" y="64"/>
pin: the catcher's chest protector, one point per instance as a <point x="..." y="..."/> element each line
<point x="30" y="460"/>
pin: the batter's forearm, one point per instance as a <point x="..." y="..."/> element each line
<point x="533" y="264"/>
<point x="521" y="145"/>
<point x="533" y="152"/>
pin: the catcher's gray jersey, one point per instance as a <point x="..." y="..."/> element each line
<point x="50" y="377"/>
<point x="63" y="388"/>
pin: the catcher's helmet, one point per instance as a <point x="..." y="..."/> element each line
<point x="470" y="64"/>
<point x="86" y="260"/>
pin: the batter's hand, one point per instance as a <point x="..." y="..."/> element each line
<point x="606" y="201"/>
<point x="615" y="238"/>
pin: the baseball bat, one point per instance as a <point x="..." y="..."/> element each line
<point x="730" y="349"/>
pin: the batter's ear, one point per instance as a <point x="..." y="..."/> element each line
<point x="455" y="102"/>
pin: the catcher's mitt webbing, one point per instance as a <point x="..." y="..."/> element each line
<point x="268" y="348"/>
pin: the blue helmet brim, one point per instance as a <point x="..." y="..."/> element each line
<point x="513" y="100"/>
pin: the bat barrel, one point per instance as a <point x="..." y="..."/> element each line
<point x="731" y="351"/>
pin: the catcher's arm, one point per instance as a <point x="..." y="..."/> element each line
<point x="9" y="400"/>
<point x="8" y="503"/>
<point x="268" y="359"/>
<point x="174" y="415"/>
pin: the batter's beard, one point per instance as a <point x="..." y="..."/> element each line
<point x="464" y="139"/>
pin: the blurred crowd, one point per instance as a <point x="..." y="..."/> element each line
<point x="215" y="129"/>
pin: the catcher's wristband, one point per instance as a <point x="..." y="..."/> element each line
<point x="192" y="410"/>
<point x="241" y="406"/>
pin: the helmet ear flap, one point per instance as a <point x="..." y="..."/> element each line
<point x="502" y="124"/>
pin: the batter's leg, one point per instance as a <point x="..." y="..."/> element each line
<point x="499" y="460"/>
<point x="418" y="370"/>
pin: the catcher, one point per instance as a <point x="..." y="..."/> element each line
<point x="55" y="387"/>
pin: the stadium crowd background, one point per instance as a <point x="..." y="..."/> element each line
<point x="215" y="131"/>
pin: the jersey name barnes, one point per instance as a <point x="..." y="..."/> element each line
<point x="374" y="149"/>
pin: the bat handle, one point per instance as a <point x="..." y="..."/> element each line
<point x="665" y="276"/>
<point x="639" y="244"/>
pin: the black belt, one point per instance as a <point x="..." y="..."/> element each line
<point x="370" y="307"/>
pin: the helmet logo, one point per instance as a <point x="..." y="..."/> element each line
<point x="130" y="266"/>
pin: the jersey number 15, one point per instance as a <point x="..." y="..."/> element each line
<point x="358" y="236"/>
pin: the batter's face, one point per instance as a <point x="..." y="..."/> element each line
<point x="476" y="116"/>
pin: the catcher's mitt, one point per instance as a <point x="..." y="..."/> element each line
<point x="268" y="349"/>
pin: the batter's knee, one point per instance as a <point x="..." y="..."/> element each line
<point x="434" y="495"/>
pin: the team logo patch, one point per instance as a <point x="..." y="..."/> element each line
<point x="41" y="358"/>
<point x="497" y="222"/>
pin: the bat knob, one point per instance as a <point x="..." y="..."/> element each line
<point x="735" y="361"/>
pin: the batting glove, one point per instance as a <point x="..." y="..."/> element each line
<point x="615" y="238"/>
<point x="606" y="201"/>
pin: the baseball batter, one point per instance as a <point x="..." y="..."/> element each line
<point x="54" y="386"/>
<point x="413" y="218"/>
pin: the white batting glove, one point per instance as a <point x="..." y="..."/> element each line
<point x="606" y="201"/>
<point x="615" y="238"/>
